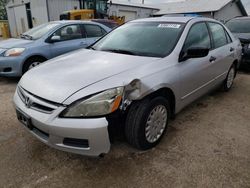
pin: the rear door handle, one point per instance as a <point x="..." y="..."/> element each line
<point x="212" y="59"/>
<point x="231" y="49"/>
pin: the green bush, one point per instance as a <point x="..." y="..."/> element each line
<point x="3" y="14"/>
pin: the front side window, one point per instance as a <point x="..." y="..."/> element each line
<point x="198" y="37"/>
<point x="153" y="39"/>
<point x="219" y="35"/>
<point x="70" y="32"/>
<point x="94" y="31"/>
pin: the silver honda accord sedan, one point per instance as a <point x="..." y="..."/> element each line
<point x="137" y="78"/>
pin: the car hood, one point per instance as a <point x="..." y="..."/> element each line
<point x="11" y="43"/>
<point x="60" y="78"/>
<point x="244" y="37"/>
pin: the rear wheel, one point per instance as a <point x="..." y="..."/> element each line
<point x="228" y="83"/>
<point x="147" y="122"/>
<point x="32" y="62"/>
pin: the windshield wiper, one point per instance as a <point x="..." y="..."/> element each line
<point x="25" y="36"/>
<point x="120" y="51"/>
<point x="91" y="47"/>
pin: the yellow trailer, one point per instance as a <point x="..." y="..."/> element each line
<point x="4" y="29"/>
<point x="85" y="14"/>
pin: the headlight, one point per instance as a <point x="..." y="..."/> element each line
<point x="14" y="52"/>
<point x="98" y="105"/>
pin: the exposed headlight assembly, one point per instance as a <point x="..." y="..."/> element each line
<point x="98" y="105"/>
<point x="14" y="52"/>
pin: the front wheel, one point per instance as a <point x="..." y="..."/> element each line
<point x="147" y="122"/>
<point x="31" y="63"/>
<point x="228" y="83"/>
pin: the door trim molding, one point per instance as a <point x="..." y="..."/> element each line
<point x="204" y="85"/>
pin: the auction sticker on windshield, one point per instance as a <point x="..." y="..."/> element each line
<point x="175" y="26"/>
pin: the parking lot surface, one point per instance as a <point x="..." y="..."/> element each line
<point x="207" y="145"/>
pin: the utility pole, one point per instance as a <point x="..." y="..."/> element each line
<point x="142" y="1"/>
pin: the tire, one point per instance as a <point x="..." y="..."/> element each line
<point x="138" y="118"/>
<point x="228" y="83"/>
<point x="32" y="62"/>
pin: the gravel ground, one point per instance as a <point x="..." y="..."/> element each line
<point x="208" y="145"/>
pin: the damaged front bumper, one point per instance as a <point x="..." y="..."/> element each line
<point x="88" y="137"/>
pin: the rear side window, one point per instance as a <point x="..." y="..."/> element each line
<point x="218" y="34"/>
<point x="94" y="31"/>
<point x="198" y="36"/>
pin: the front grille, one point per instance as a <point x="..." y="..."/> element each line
<point x="36" y="103"/>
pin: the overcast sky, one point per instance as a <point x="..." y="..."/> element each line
<point x="246" y="2"/>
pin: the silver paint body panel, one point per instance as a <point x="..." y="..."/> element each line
<point x="79" y="74"/>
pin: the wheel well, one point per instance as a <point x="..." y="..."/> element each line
<point x="34" y="57"/>
<point x="169" y="94"/>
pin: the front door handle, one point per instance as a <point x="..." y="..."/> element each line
<point x="212" y="59"/>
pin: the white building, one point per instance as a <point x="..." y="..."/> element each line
<point x="131" y="11"/>
<point x="222" y="10"/>
<point x="25" y="14"/>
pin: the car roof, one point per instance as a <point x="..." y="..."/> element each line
<point x="165" y="19"/>
<point x="72" y="21"/>
<point x="103" y="20"/>
<point x="242" y="18"/>
<point x="179" y="19"/>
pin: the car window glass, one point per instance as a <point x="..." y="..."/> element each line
<point x="229" y="40"/>
<point x="152" y="39"/>
<point x="69" y="32"/>
<point x="198" y="36"/>
<point x="239" y="25"/>
<point x="94" y="31"/>
<point x="218" y="33"/>
<point x="40" y="31"/>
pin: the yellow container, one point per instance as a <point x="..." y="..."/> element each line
<point x="4" y="29"/>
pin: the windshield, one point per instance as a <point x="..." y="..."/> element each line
<point x="151" y="39"/>
<point x="39" y="31"/>
<point x="239" y="26"/>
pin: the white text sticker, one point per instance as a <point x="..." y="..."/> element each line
<point x="175" y="26"/>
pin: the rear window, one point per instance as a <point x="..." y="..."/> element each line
<point x="239" y="26"/>
<point x="110" y="25"/>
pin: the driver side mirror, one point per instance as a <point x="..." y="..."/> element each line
<point x="55" y="39"/>
<point x="194" y="52"/>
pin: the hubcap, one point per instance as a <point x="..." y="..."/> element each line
<point x="34" y="65"/>
<point x="230" y="78"/>
<point x="156" y="123"/>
